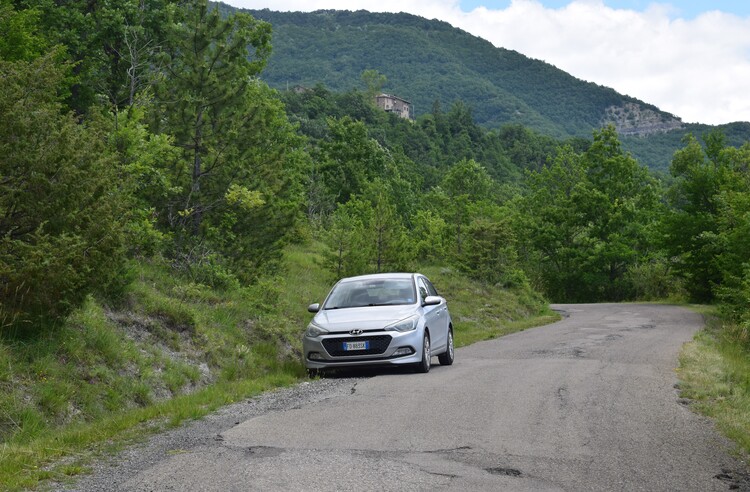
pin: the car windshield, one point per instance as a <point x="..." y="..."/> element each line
<point x="371" y="292"/>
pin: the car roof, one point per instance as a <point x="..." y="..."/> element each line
<point x="397" y="275"/>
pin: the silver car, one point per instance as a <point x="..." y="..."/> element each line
<point x="379" y="319"/>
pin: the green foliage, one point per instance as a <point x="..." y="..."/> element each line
<point x="270" y="170"/>
<point x="465" y="185"/>
<point x="391" y="247"/>
<point x="350" y="248"/>
<point x="587" y="219"/>
<point x="145" y="160"/>
<point x="113" y="58"/>
<point x="656" y="151"/>
<point x="713" y="373"/>
<point x="492" y="252"/>
<point x="707" y="226"/>
<point x="653" y="279"/>
<point x="368" y="235"/>
<point x="349" y="158"/>
<point x="374" y="82"/>
<point x="423" y="150"/>
<point x="234" y="191"/>
<point x="202" y="99"/>
<point x="61" y="236"/>
<point x="430" y="231"/>
<point x="20" y="37"/>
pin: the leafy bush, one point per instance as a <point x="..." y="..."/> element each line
<point x="61" y="233"/>
<point x="653" y="279"/>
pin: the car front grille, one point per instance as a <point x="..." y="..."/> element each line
<point x="378" y="345"/>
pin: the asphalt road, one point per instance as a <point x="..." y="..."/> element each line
<point x="588" y="403"/>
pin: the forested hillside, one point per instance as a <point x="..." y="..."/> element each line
<point x="159" y="203"/>
<point x="425" y="61"/>
<point x="428" y="60"/>
<point x="657" y="150"/>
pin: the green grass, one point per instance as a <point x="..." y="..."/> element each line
<point x="175" y="350"/>
<point x="714" y="373"/>
<point x="482" y="312"/>
<point x="24" y="465"/>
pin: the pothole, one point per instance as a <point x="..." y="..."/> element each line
<point x="734" y="480"/>
<point x="264" y="451"/>
<point x="508" y="472"/>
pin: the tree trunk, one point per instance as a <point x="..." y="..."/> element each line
<point x="196" y="188"/>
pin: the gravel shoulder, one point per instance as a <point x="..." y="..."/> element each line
<point x="110" y="472"/>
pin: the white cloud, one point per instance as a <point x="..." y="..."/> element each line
<point x="697" y="69"/>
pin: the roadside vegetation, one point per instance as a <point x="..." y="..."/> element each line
<point x="714" y="375"/>
<point x="165" y="219"/>
<point x="174" y="351"/>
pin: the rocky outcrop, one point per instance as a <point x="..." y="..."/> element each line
<point x="634" y="119"/>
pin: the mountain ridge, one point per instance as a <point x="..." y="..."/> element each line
<point x="442" y="63"/>
<point x="430" y="61"/>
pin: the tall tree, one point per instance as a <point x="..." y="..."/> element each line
<point x="466" y="183"/>
<point x="350" y="247"/>
<point x="691" y="227"/>
<point x="350" y="158"/>
<point x="622" y="207"/>
<point x="734" y="235"/>
<point x="392" y="250"/>
<point x="374" y="82"/>
<point x="202" y="98"/>
<point x="110" y="44"/>
<point x="552" y="228"/>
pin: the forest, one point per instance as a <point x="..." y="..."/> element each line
<point x="153" y="140"/>
<point x="154" y="136"/>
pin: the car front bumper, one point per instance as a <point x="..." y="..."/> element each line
<point x="384" y="348"/>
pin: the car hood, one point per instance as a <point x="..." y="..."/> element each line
<point x="363" y="318"/>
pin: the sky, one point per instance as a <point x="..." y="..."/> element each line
<point x="690" y="58"/>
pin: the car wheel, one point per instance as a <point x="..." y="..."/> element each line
<point x="446" y="358"/>
<point x="423" y="366"/>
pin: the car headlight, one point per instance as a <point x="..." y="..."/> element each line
<point x="407" y="324"/>
<point x="314" y="330"/>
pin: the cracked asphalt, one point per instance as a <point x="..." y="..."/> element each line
<point x="588" y="403"/>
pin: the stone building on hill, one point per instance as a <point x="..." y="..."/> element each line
<point x="394" y="104"/>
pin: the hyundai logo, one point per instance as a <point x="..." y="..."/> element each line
<point x="355" y="332"/>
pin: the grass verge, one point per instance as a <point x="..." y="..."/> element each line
<point x="714" y="373"/>
<point x="68" y="450"/>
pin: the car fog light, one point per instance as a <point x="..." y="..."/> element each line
<point x="314" y="356"/>
<point x="404" y="351"/>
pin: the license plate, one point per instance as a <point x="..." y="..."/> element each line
<point x="356" y="345"/>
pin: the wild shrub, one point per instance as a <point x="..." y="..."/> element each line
<point x="61" y="232"/>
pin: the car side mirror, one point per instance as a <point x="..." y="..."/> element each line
<point x="432" y="300"/>
<point x="313" y="308"/>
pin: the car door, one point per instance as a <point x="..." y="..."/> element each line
<point x="436" y="316"/>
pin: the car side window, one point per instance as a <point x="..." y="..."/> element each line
<point x="431" y="288"/>
<point x="423" y="290"/>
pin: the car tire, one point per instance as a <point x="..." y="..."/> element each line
<point x="446" y="358"/>
<point x="423" y="366"/>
